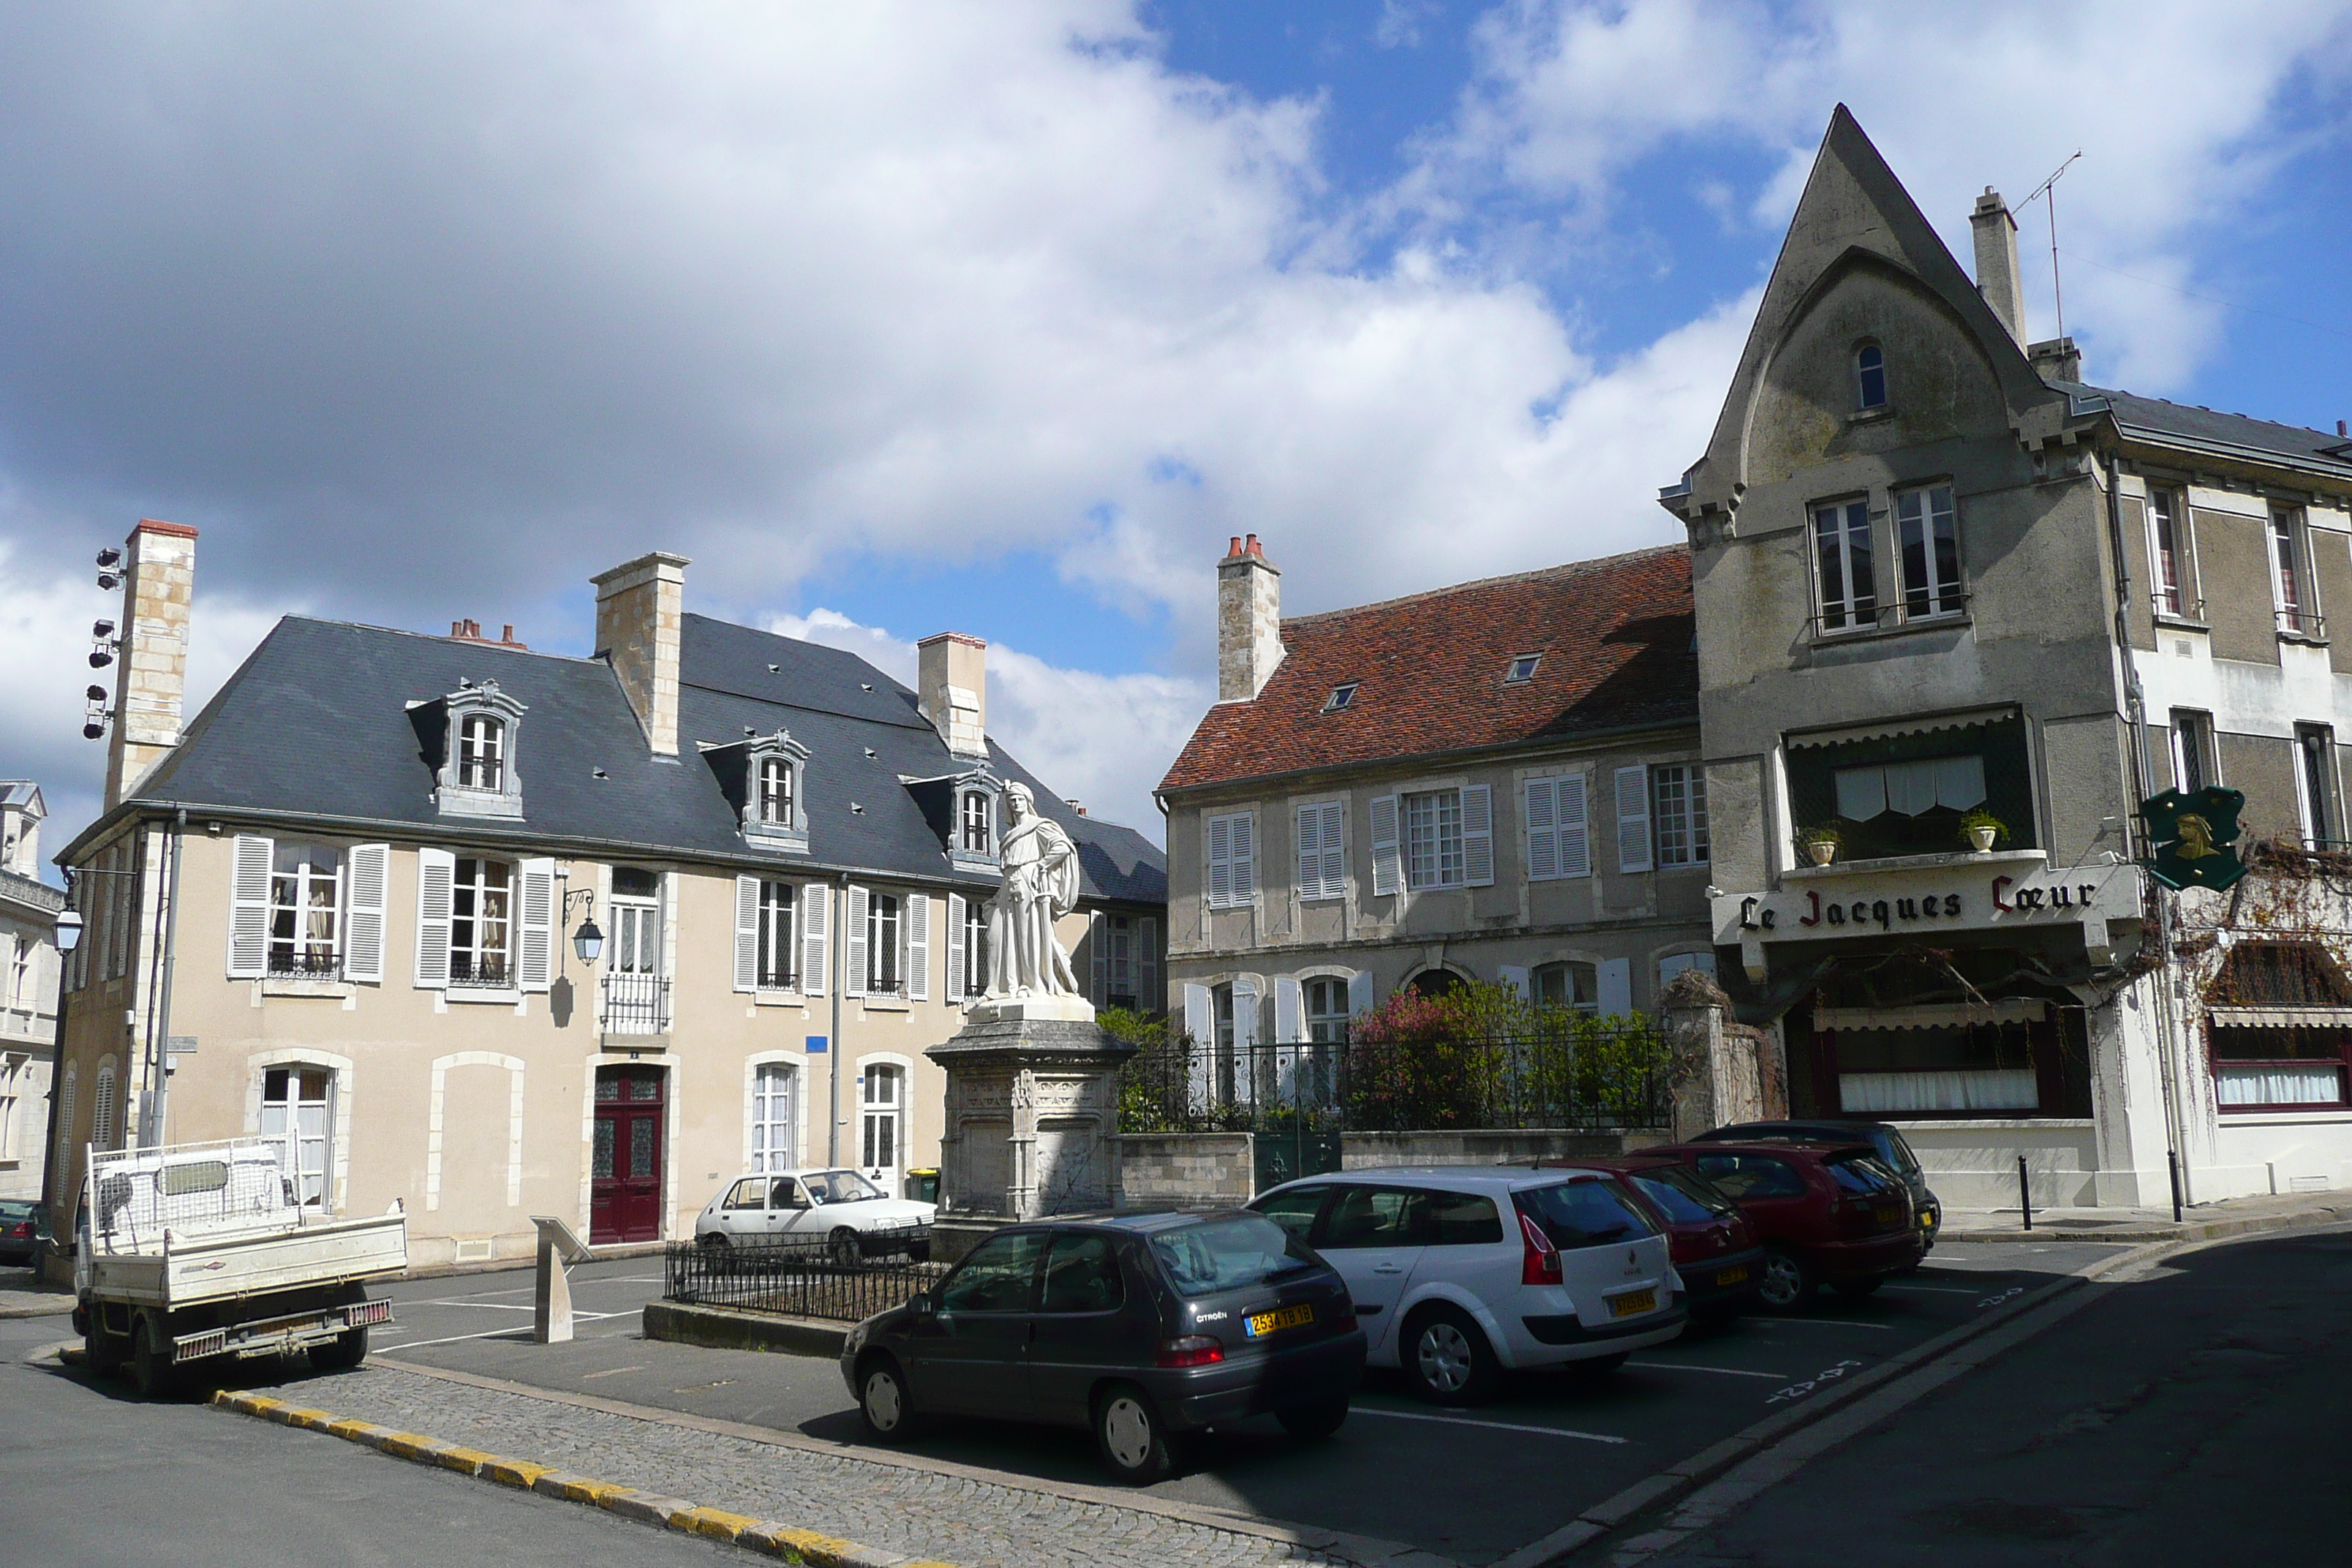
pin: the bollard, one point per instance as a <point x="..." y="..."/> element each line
<point x="2025" y="1193"/>
<point x="2172" y="1166"/>
<point x="552" y="1296"/>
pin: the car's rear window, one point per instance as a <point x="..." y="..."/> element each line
<point x="1590" y="1211"/>
<point x="1463" y="1220"/>
<point x="1862" y="1175"/>
<point x="1895" y="1150"/>
<point x="1745" y="1175"/>
<point x="1683" y="1196"/>
<point x="1230" y="1252"/>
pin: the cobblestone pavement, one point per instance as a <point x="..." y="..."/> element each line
<point x="916" y="1511"/>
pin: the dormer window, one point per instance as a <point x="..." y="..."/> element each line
<point x="1343" y="696"/>
<point x="764" y="779"/>
<point x="478" y="736"/>
<point x="1523" y="669"/>
<point x="1869" y="377"/>
<point x="976" y="824"/>
<point x="778" y="798"/>
<point x="481" y="753"/>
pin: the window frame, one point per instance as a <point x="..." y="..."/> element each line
<point x="1240" y="891"/>
<point x="1689" y="819"/>
<point x="481" y="752"/>
<point x="885" y="972"/>
<point x="776" y="794"/>
<point x="975" y="818"/>
<point x="766" y="1158"/>
<point x="1849" y="547"/>
<point x="777" y="925"/>
<point x="304" y="877"/>
<point x="1343" y="697"/>
<point x="2195" y="749"/>
<point x="1421" y="809"/>
<point x="2318" y="788"/>
<point x="1565" y="970"/>
<point x="2171" y="533"/>
<point x="507" y="976"/>
<point x="1870" y="360"/>
<point x="2294" y="601"/>
<point x="1514" y="676"/>
<point x="1323" y="1026"/>
<point x="1943" y="592"/>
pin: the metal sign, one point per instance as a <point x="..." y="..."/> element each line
<point x="2192" y="834"/>
<point x="816" y="1045"/>
<point x="179" y="1044"/>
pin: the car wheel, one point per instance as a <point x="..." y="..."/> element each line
<point x="1859" y="1290"/>
<point x="346" y="1350"/>
<point x="883" y="1404"/>
<point x="844" y="1250"/>
<point x="1789" y="1283"/>
<point x="1313" y="1422"/>
<point x="101" y="1351"/>
<point x="1446" y="1358"/>
<point x="150" y="1361"/>
<point x="1128" y="1432"/>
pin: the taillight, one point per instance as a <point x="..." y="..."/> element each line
<point x="1192" y="1350"/>
<point x="1539" y="1258"/>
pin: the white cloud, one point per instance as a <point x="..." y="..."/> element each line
<point x="1102" y="740"/>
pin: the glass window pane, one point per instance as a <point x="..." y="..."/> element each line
<point x="997" y="1277"/>
<point x="1082" y="1275"/>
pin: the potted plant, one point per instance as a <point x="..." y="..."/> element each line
<point x="1981" y="830"/>
<point x="1822" y="843"/>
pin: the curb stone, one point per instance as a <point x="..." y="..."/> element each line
<point x="780" y="1541"/>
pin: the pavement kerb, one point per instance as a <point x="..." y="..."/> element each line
<point x="1370" y="1552"/>
<point x="783" y="1541"/>
<point x="2186" y="1230"/>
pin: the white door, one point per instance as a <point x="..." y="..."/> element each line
<point x="880" y="1124"/>
<point x="1371" y="1234"/>
<point x="296" y="1111"/>
<point x="775" y="1118"/>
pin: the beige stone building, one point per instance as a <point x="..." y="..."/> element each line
<point x="347" y="902"/>
<point x="28" y="990"/>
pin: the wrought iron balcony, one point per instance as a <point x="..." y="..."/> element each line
<point x="636" y="1003"/>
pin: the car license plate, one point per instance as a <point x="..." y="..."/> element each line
<point x="1731" y="1276"/>
<point x="1279" y="1319"/>
<point x="1890" y="1216"/>
<point x="1633" y="1302"/>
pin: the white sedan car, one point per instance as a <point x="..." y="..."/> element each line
<point x="852" y="1216"/>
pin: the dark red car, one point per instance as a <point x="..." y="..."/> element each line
<point x="1714" y="1249"/>
<point x="1827" y="1213"/>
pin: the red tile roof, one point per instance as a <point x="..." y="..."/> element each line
<point x="1615" y="636"/>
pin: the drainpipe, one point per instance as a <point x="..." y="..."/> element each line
<point x="159" y="1033"/>
<point x="838" y="961"/>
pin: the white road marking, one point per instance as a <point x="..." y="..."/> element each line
<point x="1686" y="1366"/>
<point x="1935" y="1290"/>
<point x="1824" y="1323"/>
<point x="489" y="1333"/>
<point x="610" y="1372"/>
<point x="1494" y="1426"/>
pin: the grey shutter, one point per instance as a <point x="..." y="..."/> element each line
<point x="1289" y="1010"/>
<point x="1245" y="870"/>
<point x="1478" y="836"/>
<point x="1542" y="825"/>
<point x="1573" y="825"/>
<point x="858" y="939"/>
<point x="916" y="967"/>
<point x="747" y="933"/>
<point x="1359" y="992"/>
<point x="1306" y="839"/>
<point x="363" y="918"/>
<point x="1098" y="956"/>
<point x="1387" y="857"/>
<point x="1148" y="998"/>
<point x="1335" y="849"/>
<point x="537" y="970"/>
<point x="249" y="915"/>
<point x="1221" y="856"/>
<point x="1633" y="819"/>
<point x="1515" y="976"/>
<point x="815" y="906"/>
<point x="957" y="961"/>
<point x="1200" y="1016"/>
<point x="437" y="877"/>
<point x="1614" y="979"/>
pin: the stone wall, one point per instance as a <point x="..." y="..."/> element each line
<point x="1380" y="1151"/>
<point x="1155" y="1168"/>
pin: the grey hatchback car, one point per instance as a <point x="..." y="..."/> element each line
<point x="1141" y="1328"/>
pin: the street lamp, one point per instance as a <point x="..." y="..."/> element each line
<point x="588" y="942"/>
<point x="69" y="924"/>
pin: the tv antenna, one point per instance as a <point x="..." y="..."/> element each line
<point x="2049" y="188"/>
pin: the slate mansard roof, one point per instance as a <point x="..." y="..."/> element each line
<point x="1616" y="635"/>
<point x="316" y="725"/>
<point x="2238" y="436"/>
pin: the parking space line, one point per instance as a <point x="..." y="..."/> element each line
<point x="1936" y="1289"/>
<point x="1688" y="1366"/>
<point x="488" y="1333"/>
<point x="1493" y="1425"/>
<point x="1828" y="1323"/>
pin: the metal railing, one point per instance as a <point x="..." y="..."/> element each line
<point x="636" y="1003"/>
<point x="134" y="1195"/>
<point x="797" y="1277"/>
<point x="1586" y="1073"/>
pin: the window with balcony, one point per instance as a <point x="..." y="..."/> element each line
<point x="481" y="753"/>
<point x="2315" y="785"/>
<point x="779" y="792"/>
<point x="2195" y="762"/>
<point x="2168" y="529"/>
<point x="481" y="923"/>
<point x="305" y="905"/>
<point x="976" y="824"/>
<point x="1928" y="551"/>
<point x="2297" y="613"/>
<point x="883" y="917"/>
<point x="1907" y="794"/>
<point x="1847" y="591"/>
<point x="477" y="731"/>
<point x="777" y="946"/>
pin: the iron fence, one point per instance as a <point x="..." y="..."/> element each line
<point x="1586" y="1074"/>
<point x="636" y="1003"/>
<point x="798" y="1277"/>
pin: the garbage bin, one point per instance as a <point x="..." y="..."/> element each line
<point x="923" y="1184"/>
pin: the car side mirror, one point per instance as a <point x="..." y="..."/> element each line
<point x="923" y="1304"/>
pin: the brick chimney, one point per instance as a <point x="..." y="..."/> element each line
<point x="640" y="611"/>
<point x="159" y="585"/>
<point x="1249" y="621"/>
<point x="1997" y="278"/>
<point x="951" y="690"/>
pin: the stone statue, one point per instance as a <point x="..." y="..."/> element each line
<point x="1040" y="884"/>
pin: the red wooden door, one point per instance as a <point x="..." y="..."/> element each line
<point x="625" y="1185"/>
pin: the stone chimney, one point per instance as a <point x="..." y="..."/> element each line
<point x="951" y="690"/>
<point x="1249" y="621"/>
<point x="159" y="585"/>
<point x="2056" y="359"/>
<point x="640" y="610"/>
<point x="1998" y="278"/>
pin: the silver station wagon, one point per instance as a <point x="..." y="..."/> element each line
<point x="850" y="1214"/>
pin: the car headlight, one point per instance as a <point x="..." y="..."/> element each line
<point x="855" y="1342"/>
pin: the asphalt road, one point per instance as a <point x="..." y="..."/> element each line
<point x="2194" y="1416"/>
<point x="92" y="1477"/>
<point x="1471" y="1485"/>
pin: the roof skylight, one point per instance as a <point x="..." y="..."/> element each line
<point x="1343" y="696"/>
<point x="1523" y="669"/>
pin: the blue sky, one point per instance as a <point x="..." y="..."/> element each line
<point x="904" y="316"/>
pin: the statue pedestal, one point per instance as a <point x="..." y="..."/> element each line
<point x="1031" y="1103"/>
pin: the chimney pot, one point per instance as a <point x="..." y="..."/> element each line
<point x="506" y="634"/>
<point x="1249" y="621"/>
<point x="951" y="690"/>
<point x="456" y="629"/>
<point x="1234" y="548"/>
<point x="640" y="614"/>
<point x="1998" y="276"/>
<point x="152" y="676"/>
<point x="2340" y="429"/>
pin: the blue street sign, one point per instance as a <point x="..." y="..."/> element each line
<point x="816" y="1045"/>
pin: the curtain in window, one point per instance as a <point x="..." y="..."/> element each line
<point x="1967" y="1088"/>
<point x="1910" y="788"/>
<point x="2281" y="1083"/>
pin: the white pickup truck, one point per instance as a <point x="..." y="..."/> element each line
<point x="195" y="1250"/>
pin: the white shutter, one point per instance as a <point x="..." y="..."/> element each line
<point x="1322" y="856"/>
<point x="1221" y="861"/>
<point x="436" y="876"/>
<point x="1245" y="995"/>
<point x="917" y="965"/>
<point x="747" y="933"/>
<point x="1515" y="976"/>
<point x="370" y="868"/>
<point x="249" y="915"/>
<point x="1098" y="956"/>
<point x="816" y="905"/>
<point x="860" y="960"/>
<point x="1245" y="887"/>
<point x="537" y="970"/>
<point x="1478" y="836"/>
<point x="1387" y="857"/>
<point x="1200" y="1016"/>
<point x="1615" y="980"/>
<point x="1633" y="819"/>
<point x="1147" y="965"/>
<point x="1542" y="825"/>
<point x="1573" y="827"/>
<point x="1359" y="992"/>
<point x="1289" y="1010"/>
<point x="955" y="960"/>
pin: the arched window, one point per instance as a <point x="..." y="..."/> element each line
<point x="775" y="1118"/>
<point x="1435" y="983"/>
<point x="1869" y="377"/>
<point x="778" y="802"/>
<point x="481" y="753"/>
<point x="101" y="1108"/>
